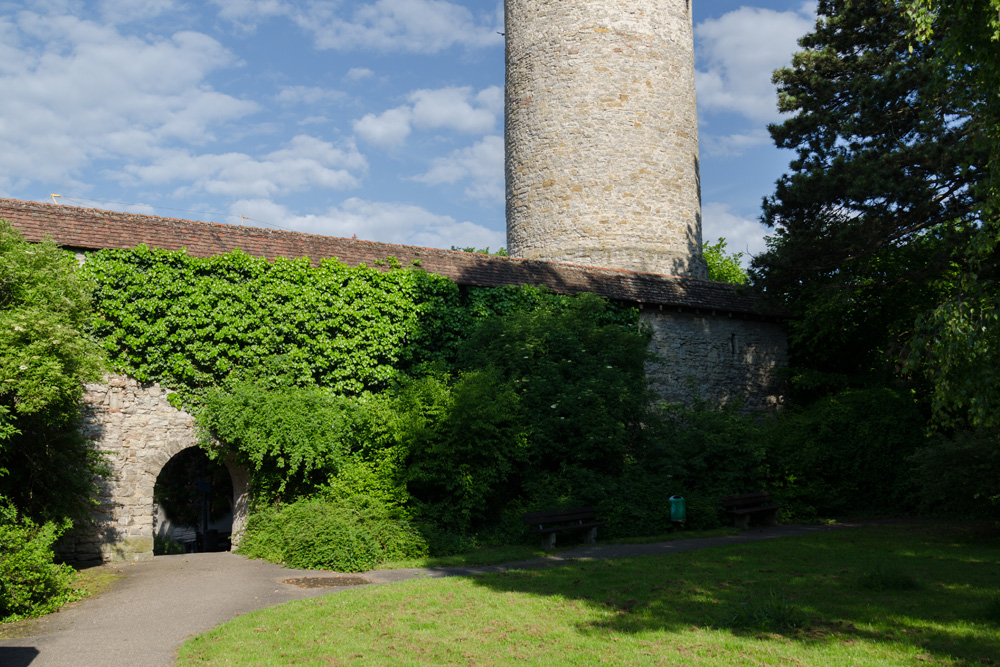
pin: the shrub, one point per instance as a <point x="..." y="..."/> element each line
<point x="716" y="453"/>
<point x="959" y="474"/>
<point x="293" y="439"/>
<point x="351" y="535"/>
<point x="844" y="453"/>
<point x="31" y="584"/>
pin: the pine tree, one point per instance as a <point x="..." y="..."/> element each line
<point x="881" y="196"/>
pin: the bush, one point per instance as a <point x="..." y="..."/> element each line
<point x="31" y="584"/>
<point x="715" y="453"/>
<point x="351" y="535"/>
<point x="844" y="453"/>
<point x="959" y="474"/>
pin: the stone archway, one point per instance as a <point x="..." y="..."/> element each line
<point x="137" y="430"/>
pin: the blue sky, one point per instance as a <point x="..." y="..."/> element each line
<point x="381" y="119"/>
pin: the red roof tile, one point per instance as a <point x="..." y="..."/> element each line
<point x="92" y="229"/>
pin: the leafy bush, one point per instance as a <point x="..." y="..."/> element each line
<point x="715" y="453"/>
<point x="31" y="584"/>
<point x="190" y="323"/>
<point x="844" y="453"/>
<point x="315" y="533"/>
<point x="293" y="439"/>
<point x="959" y="474"/>
<point x="547" y="408"/>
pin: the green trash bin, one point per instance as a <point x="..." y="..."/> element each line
<point x="678" y="511"/>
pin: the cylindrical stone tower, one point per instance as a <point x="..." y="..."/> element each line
<point x="602" y="134"/>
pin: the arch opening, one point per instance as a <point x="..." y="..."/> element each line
<point x="194" y="505"/>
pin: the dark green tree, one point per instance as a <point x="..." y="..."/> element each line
<point x="958" y="343"/>
<point x="881" y="199"/>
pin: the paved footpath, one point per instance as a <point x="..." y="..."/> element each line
<point x="158" y="604"/>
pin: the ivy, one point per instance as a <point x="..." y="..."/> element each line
<point x="191" y="323"/>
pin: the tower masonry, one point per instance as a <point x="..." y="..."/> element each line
<point x="601" y="134"/>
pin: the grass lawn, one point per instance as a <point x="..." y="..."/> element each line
<point x="892" y="595"/>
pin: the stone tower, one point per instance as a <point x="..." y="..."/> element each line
<point x="601" y="134"/>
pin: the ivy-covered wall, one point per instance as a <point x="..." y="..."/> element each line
<point x="190" y="322"/>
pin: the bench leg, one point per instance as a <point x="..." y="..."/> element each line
<point x="772" y="518"/>
<point x="743" y="521"/>
<point x="549" y="541"/>
<point x="591" y="536"/>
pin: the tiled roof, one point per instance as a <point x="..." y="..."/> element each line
<point x="92" y="229"/>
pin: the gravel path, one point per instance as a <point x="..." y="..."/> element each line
<point x="158" y="604"/>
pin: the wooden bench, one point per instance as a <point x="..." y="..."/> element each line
<point x="547" y="524"/>
<point x="747" y="505"/>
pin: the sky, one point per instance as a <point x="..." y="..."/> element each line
<point x="375" y="119"/>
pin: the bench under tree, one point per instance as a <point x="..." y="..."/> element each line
<point x="548" y="523"/>
<point x="752" y="505"/>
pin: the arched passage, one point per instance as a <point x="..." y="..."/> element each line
<point x="193" y="504"/>
<point x="138" y="431"/>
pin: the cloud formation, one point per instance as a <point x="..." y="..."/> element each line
<point x="744" y="235"/>
<point x="388" y="222"/>
<point x="305" y="163"/>
<point x="75" y="92"/>
<point x="740" y="50"/>
<point x="481" y="164"/>
<point x="409" y="26"/>
<point x="458" y="109"/>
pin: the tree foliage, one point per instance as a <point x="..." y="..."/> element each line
<point x="46" y="469"/>
<point x="882" y="197"/>
<point x="958" y="347"/>
<point x="722" y="266"/>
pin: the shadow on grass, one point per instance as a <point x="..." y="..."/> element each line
<point x="932" y="589"/>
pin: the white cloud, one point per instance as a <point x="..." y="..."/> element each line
<point x="305" y="163"/>
<point x="358" y="73"/>
<point x="481" y="164"/>
<point x="293" y="95"/>
<point x="451" y="108"/>
<point x="744" y="235"/>
<point x="418" y="26"/>
<point x="734" y="145"/>
<point x="383" y="221"/>
<point x="386" y="130"/>
<point x="740" y="50"/>
<point x="410" y="26"/>
<point x="458" y="109"/>
<point x="246" y="15"/>
<point x="126" y="11"/>
<point x="75" y="92"/>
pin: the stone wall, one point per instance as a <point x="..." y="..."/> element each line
<point x="601" y="134"/>
<point x="716" y="358"/>
<point x="137" y="430"/>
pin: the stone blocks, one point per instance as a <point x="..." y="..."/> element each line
<point x="601" y="134"/>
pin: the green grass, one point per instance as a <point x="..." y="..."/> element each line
<point x="515" y="553"/>
<point x="793" y="601"/>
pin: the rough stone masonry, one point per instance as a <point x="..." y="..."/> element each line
<point x="601" y="134"/>
<point x="137" y="430"/>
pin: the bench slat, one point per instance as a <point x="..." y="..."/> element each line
<point x="579" y="514"/>
<point x="556" y="529"/>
